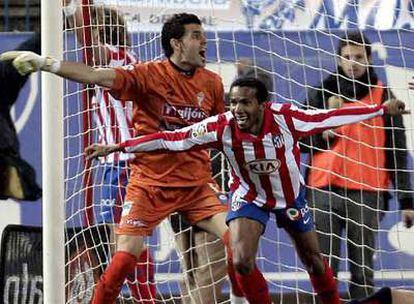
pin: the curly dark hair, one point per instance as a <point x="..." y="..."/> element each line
<point x="111" y="26"/>
<point x="262" y="94"/>
<point x="174" y="28"/>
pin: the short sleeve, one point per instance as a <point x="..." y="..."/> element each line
<point x="218" y="97"/>
<point x="129" y="82"/>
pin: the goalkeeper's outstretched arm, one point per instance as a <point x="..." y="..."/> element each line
<point x="29" y="62"/>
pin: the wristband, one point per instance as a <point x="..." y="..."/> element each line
<point x="51" y="65"/>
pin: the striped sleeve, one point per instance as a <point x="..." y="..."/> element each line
<point x="201" y="135"/>
<point x="309" y="122"/>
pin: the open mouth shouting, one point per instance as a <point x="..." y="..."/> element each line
<point x="202" y="54"/>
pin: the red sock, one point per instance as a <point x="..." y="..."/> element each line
<point x="325" y="286"/>
<point x="235" y="288"/>
<point x="254" y="286"/>
<point x="141" y="281"/>
<point x="110" y="283"/>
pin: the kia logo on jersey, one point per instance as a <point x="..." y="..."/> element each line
<point x="263" y="166"/>
<point x="187" y="113"/>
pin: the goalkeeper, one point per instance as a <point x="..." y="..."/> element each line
<point x="167" y="94"/>
<point x="17" y="177"/>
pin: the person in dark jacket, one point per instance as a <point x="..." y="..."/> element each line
<point x="351" y="167"/>
<point x="17" y="177"/>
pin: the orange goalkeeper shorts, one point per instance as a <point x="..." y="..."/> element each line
<point x="146" y="206"/>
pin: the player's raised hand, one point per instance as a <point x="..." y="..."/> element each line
<point x="395" y="107"/>
<point x="26" y="62"/>
<point x="98" y="150"/>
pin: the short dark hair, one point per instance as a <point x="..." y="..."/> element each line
<point x="354" y="38"/>
<point x="262" y="94"/>
<point x="174" y="28"/>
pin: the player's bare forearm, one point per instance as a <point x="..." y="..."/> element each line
<point x="28" y="62"/>
<point x="83" y="73"/>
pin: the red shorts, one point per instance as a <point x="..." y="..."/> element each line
<point x="146" y="206"/>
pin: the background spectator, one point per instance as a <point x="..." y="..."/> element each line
<point x="351" y="167"/>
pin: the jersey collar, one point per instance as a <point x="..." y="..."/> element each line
<point x="181" y="71"/>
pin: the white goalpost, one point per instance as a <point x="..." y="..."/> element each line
<point x="294" y="45"/>
<point x="52" y="159"/>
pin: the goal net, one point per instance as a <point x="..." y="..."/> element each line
<point x="293" y="46"/>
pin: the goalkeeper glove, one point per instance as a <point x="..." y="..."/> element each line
<point x="28" y="62"/>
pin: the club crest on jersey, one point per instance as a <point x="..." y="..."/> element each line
<point x="200" y="98"/>
<point x="199" y="131"/>
<point x="263" y="166"/>
<point x="278" y="140"/>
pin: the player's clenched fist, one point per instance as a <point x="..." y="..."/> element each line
<point x="99" y="150"/>
<point x="28" y="62"/>
<point x="395" y="107"/>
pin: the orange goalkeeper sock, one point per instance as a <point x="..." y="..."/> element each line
<point x="143" y="289"/>
<point x="110" y="283"/>
<point x="325" y="286"/>
<point x="235" y="287"/>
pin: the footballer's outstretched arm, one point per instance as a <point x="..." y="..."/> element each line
<point x="201" y="135"/>
<point x="309" y="122"/>
<point x="83" y="73"/>
<point x="29" y="62"/>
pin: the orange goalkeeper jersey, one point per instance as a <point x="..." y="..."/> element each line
<point x="166" y="99"/>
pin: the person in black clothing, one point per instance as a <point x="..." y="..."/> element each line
<point x="351" y="167"/>
<point x="17" y="177"/>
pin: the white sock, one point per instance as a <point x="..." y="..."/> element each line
<point x="237" y="300"/>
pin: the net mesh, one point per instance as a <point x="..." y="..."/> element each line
<point x="250" y="37"/>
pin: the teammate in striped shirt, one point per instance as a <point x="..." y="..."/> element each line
<point x="260" y="141"/>
<point x="113" y="120"/>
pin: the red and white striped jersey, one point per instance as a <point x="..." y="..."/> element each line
<point x="113" y="118"/>
<point x="265" y="168"/>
